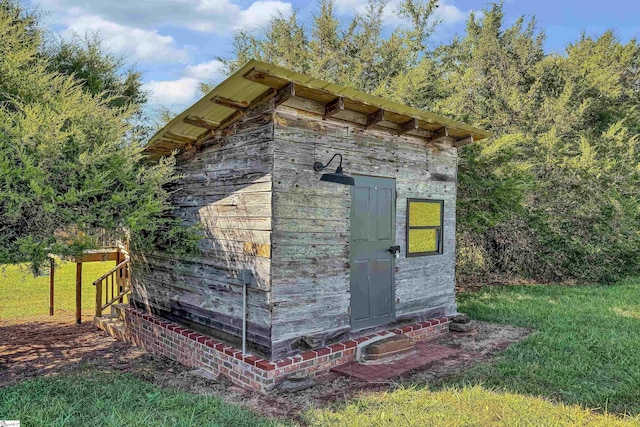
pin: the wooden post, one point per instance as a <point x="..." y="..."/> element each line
<point x="52" y="265"/>
<point x="99" y="298"/>
<point x="78" y="292"/>
<point x="119" y="259"/>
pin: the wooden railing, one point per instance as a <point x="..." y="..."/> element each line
<point x="112" y="287"/>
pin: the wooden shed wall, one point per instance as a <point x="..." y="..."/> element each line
<point x="226" y="188"/>
<point x="310" y="240"/>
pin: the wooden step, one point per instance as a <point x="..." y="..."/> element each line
<point x="393" y="346"/>
<point x="119" y="311"/>
<point x="111" y="325"/>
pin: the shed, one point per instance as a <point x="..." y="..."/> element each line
<point x="328" y="262"/>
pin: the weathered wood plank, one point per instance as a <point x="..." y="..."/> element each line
<point x="182" y="139"/>
<point x="301" y="212"/>
<point x="201" y="122"/>
<point x="207" y="195"/>
<point x="407" y="126"/>
<point x="285" y="93"/>
<point x="230" y="103"/>
<point x="311" y="221"/>
<point x="224" y="269"/>
<point x="318" y="251"/>
<point x="302" y="288"/>
<point x="285" y="238"/>
<point x="310" y="225"/>
<point x="239" y="235"/>
<point x="440" y="133"/>
<point x="375" y="118"/>
<point x="226" y="187"/>
<point x="333" y="107"/>
<point x="461" y="142"/>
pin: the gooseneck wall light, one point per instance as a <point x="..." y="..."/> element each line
<point x="338" y="176"/>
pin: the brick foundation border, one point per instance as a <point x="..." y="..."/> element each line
<point x="195" y="350"/>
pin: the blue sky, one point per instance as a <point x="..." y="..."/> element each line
<point x="175" y="42"/>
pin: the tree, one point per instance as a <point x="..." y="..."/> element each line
<point x="99" y="71"/>
<point x="70" y="160"/>
<point x="357" y="55"/>
<point x="554" y="195"/>
<point x="567" y="131"/>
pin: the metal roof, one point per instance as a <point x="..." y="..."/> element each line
<point x="258" y="80"/>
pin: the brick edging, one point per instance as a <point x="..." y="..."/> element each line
<point x="199" y="351"/>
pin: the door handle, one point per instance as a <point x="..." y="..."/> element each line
<point x="395" y="250"/>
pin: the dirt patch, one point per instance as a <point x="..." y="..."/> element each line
<point x="34" y="349"/>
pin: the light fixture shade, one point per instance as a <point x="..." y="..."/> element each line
<point x="337" y="178"/>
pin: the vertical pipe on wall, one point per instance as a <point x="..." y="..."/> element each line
<point x="244" y="318"/>
<point x="245" y="277"/>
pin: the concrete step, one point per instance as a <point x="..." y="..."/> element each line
<point x="389" y="348"/>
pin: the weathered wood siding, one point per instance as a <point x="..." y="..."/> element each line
<point x="310" y="240"/>
<point x="227" y="189"/>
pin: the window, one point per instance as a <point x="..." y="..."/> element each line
<point x="424" y="227"/>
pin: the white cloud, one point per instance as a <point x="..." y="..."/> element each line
<point x="212" y="16"/>
<point x="182" y="92"/>
<point x="450" y="14"/>
<point x="260" y="13"/>
<point x="136" y="43"/>
<point x="223" y="16"/>
<point x="172" y="93"/>
<point x="206" y="71"/>
<point x="446" y="12"/>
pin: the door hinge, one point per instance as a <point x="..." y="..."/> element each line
<point x="349" y="310"/>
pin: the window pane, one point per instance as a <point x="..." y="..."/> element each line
<point x="423" y="240"/>
<point x="422" y="214"/>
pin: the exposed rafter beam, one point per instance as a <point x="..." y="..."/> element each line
<point x="178" y="138"/>
<point x="229" y="103"/>
<point x="460" y="142"/>
<point x="204" y="137"/>
<point x="210" y="134"/>
<point x="201" y="122"/>
<point x="169" y="145"/>
<point x="440" y="133"/>
<point x="244" y="105"/>
<point x="230" y="120"/>
<point x="285" y="93"/>
<point x="408" y="126"/>
<point x="333" y="107"/>
<point x="374" y="118"/>
<point x="256" y="75"/>
<point x="267" y="94"/>
<point x="273" y="80"/>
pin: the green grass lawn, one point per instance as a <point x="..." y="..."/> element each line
<point x="23" y="296"/>
<point x="586" y="349"/>
<point x="469" y="406"/>
<point x="116" y="399"/>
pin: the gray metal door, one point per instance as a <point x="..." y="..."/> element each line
<point x="373" y="203"/>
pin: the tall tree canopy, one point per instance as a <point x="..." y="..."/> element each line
<point x="100" y="72"/>
<point x="555" y="194"/>
<point x="70" y="158"/>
